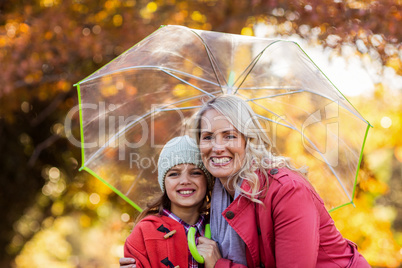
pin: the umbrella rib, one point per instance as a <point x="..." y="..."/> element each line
<point x="187" y="74"/>
<point x="312" y="144"/>
<point x="315" y="147"/>
<point x="187" y="99"/>
<point x="276" y="122"/>
<point x="187" y="83"/>
<point x="152" y="67"/>
<point x="212" y="60"/>
<point x="297" y="91"/>
<point x="175" y="109"/>
<point x="180" y="56"/>
<point x="99" y="115"/>
<point x="272" y="87"/>
<point x="135" y="183"/>
<point x="329" y="166"/>
<point x="276" y="95"/>
<point x="269" y="111"/>
<point x="349" y="149"/>
<point x="252" y="64"/>
<point x="115" y="136"/>
<point x="304" y="90"/>
<point x="181" y="101"/>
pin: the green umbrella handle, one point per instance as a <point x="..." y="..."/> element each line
<point x="191" y="242"/>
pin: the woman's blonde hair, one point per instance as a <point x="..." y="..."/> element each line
<point x="258" y="156"/>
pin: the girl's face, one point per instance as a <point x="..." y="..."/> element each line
<point x="222" y="146"/>
<point x="186" y="187"/>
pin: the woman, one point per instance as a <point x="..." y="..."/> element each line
<point x="264" y="213"/>
<point x="159" y="237"/>
<point x="276" y="215"/>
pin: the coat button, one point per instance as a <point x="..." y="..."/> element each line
<point x="262" y="265"/>
<point x="230" y="215"/>
<point x="258" y="230"/>
<point x="273" y="171"/>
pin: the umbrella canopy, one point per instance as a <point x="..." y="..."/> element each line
<point x="133" y="105"/>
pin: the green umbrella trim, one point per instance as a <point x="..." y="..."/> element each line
<point x="90" y="171"/>
<point x="128" y="200"/>
<point x="357" y="171"/>
<point x="81" y="126"/>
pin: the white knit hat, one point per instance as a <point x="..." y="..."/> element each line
<point x="179" y="150"/>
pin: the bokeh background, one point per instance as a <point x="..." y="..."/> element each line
<point x="54" y="216"/>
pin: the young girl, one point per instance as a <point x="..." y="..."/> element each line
<point x="159" y="236"/>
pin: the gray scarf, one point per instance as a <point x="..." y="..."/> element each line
<point x="230" y="244"/>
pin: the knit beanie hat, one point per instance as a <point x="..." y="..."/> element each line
<point x="179" y="150"/>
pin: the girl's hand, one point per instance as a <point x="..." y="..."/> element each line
<point x="127" y="263"/>
<point x="209" y="250"/>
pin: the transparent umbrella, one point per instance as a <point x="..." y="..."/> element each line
<point x="144" y="97"/>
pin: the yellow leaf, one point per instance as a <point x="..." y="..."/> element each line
<point x="247" y="31"/>
<point x="395" y="63"/>
<point x="117" y="20"/>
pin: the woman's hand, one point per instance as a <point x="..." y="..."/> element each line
<point x="127" y="263"/>
<point x="209" y="250"/>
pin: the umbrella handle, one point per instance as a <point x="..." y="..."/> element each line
<point x="191" y="242"/>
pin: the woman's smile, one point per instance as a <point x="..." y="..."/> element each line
<point x="221" y="160"/>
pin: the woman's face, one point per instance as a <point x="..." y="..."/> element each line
<point x="222" y="146"/>
<point x="186" y="187"/>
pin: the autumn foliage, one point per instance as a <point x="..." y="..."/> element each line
<point x="55" y="216"/>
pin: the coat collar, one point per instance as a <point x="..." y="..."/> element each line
<point x="242" y="213"/>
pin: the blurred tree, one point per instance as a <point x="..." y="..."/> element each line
<point x="48" y="45"/>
